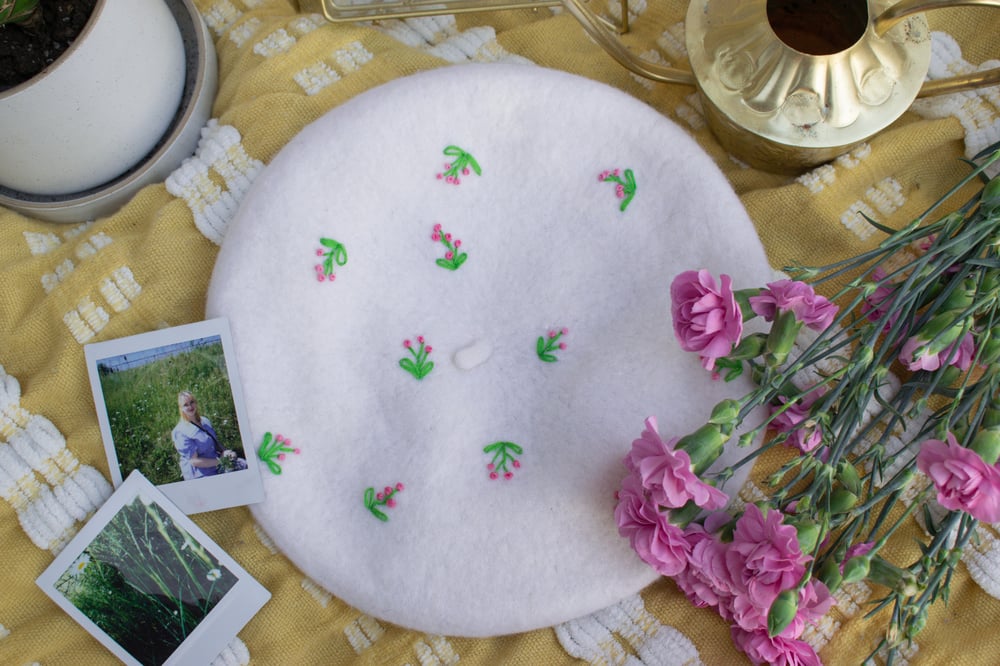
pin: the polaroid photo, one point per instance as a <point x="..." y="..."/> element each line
<point x="170" y="405"/>
<point x="150" y="585"/>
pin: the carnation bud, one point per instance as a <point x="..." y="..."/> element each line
<point x="941" y="331"/>
<point x="863" y="356"/>
<point x="987" y="444"/>
<point x="848" y="476"/>
<point x="808" y="534"/>
<point x="856" y="568"/>
<point x="781" y="338"/>
<point x="962" y="297"/>
<point x="829" y="574"/>
<point x="989" y="352"/>
<point x="742" y="297"/>
<point x="783" y="611"/>
<point x="750" y="347"/>
<point x="989" y="199"/>
<point x="683" y="516"/>
<point x="895" y="578"/>
<point x="916" y="625"/>
<point x="703" y="446"/>
<point x="842" y="500"/>
<point x="725" y="412"/>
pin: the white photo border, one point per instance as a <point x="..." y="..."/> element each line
<point x="210" y="493"/>
<point x="211" y="636"/>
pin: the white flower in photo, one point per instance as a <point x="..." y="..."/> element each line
<point x="79" y="565"/>
<point x="213" y="574"/>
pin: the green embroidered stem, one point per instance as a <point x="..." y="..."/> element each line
<point x="624" y="188"/>
<point x="503" y="455"/>
<point x="418" y="366"/>
<point x="452" y="257"/>
<point x="336" y="254"/>
<point x="385" y="498"/>
<point x="271" y="451"/>
<point x="462" y="163"/>
<point x="545" y="347"/>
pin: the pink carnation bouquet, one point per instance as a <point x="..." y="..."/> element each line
<point x="883" y="408"/>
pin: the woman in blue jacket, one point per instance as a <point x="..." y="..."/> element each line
<point x="195" y="440"/>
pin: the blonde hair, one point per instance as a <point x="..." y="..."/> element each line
<point x="180" y="400"/>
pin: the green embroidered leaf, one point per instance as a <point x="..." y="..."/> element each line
<point x="629" y="181"/>
<point x="548" y="358"/>
<point x="265" y="445"/>
<point x="378" y="514"/>
<point x="514" y="447"/>
<point x="444" y="263"/>
<point x="407" y="364"/>
<point x="340" y="255"/>
<point x="273" y="466"/>
<point x="540" y="346"/>
<point x="453" y="151"/>
<point x="424" y="370"/>
<point x="475" y="165"/>
<point x="460" y="259"/>
<point x="369" y="498"/>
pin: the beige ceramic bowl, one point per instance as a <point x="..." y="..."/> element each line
<point x="106" y="137"/>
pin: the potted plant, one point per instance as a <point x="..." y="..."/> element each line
<point x="120" y="108"/>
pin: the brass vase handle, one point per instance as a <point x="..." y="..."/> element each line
<point x="891" y="16"/>
<point x="600" y="33"/>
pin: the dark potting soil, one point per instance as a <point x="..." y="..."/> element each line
<point x="25" y="50"/>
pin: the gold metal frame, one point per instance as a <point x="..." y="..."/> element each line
<point x="404" y="9"/>
<point x="605" y="31"/>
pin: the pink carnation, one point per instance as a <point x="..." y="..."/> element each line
<point x="666" y="473"/>
<point x="963" y="480"/>
<point x="706" y="581"/>
<point x="706" y="317"/>
<point x="814" y="602"/>
<point x="810" y="308"/>
<point x="857" y="550"/>
<point x="915" y="354"/>
<point x="657" y="542"/>
<point x="776" y="650"/>
<point x="873" y="304"/>
<point x="763" y="559"/>
<point x="792" y="420"/>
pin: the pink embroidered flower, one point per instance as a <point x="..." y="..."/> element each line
<point x="707" y="318"/>
<point x="774" y="651"/>
<point x="804" y="434"/>
<point x="763" y="558"/>
<point x="657" y="542"/>
<point x="797" y="297"/>
<point x="666" y="473"/>
<point x="963" y="480"/>
<point x="916" y="354"/>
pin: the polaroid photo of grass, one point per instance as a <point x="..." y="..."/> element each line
<point x="149" y="584"/>
<point x="170" y="405"/>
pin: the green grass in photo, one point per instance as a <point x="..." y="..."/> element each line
<point x="145" y="582"/>
<point x="141" y="405"/>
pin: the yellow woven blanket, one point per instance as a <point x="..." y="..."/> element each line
<point x="148" y="266"/>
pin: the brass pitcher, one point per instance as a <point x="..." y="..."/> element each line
<point x="785" y="84"/>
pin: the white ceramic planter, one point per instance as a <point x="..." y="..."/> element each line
<point x="119" y="110"/>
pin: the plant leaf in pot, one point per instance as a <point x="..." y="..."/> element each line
<point x="120" y="109"/>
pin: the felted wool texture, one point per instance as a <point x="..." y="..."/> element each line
<point x="548" y="248"/>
